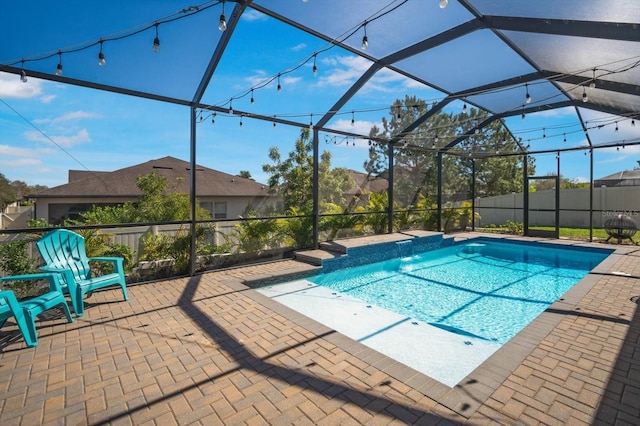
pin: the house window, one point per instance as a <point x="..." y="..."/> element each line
<point x="220" y="210"/>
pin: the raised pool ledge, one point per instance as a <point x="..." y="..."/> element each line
<point x="342" y="254"/>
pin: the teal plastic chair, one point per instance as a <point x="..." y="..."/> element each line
<point x="25" y="312"/>
<point x="63" y="251"/>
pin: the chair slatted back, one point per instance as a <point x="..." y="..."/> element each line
<point x="65" y="249"/>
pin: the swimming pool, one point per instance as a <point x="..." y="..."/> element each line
<point x="444" y="311"/>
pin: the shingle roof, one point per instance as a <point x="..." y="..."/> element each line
<point x="122" y="183"/>
<point x="366" y="183"/>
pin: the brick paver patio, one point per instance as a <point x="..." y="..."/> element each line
<point x="209" y="350"/>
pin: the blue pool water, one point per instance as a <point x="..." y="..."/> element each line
<point x="443" y="311"/>
<point x="485" y="289"/>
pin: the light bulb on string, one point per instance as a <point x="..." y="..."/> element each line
<point x="315" y="68"/>
<point x="311" y="122"/>
<point x="59" y="67"/>
<point x="544" y="133"/>
<point x="241" y="120"/>
<point x="464" y="108"/>
<point x="585" y="97"/>
<point x="279" y="86"/>
<point x="353" y="118"/>
<point x="231" y="106"/>
<point x="23" y="74"/>
<point x="564" y="136"/>
<point x="365" y="39"/>
<point x="252" y="100"/>
<point x="633" y="122"/>
<point x="101" y="59"/>
<point x="592" y="85"/>
<point x="443" y="3"/>
<point x="213" y="118"/>
<point x="616" y="126"/>
<point x="527" y="96"/>
<point x="222" y="26"/>
<point x="156" y="41"/>
<point x="523" y="115"/>
<point x="274" y="121"/>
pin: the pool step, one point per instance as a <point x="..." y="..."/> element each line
<point x="315" y="257"/>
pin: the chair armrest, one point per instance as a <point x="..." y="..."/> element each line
<point x="53" y="278"/>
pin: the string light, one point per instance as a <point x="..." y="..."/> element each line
<point x="365" y="39"/>
<point x="443" y="3"/>
<point x="616" y="126"/>
<point x="213" y="118"/>
<point x="241" y="115"/>
<point x="156" y="41"/>
<point x="464" y="108"/>
<point x="231" y="106"/>
<point x="353" y="118"/>
<point x="585" y="97"/>
<point x="23" y="74"/>
<point x="544" y="133"/>
<point x="592" y="85"/>
<point x="274" y="121"/>
<point x="252" y="100"/>
<point x="222" y="26"/>
<point x="311" y="122"/>
<point x="523" y="115"/>
<point x="633" y="122"/>
<point x="101" y="59"/>
<point x="315" y="68"/>
<point x="564" y="136"/>
<point x="279" y="86"/>
<point x="59" y="67"/>
<point x="527" y="97"/>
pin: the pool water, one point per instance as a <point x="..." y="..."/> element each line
<point x="489" y="290"/>
<point x="445" y="311"/>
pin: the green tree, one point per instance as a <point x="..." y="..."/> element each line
<point x="292" y="177"/>
<point x="245" y="174"/>
<point x="415" y="153"/>
<point x="7" y="193"/>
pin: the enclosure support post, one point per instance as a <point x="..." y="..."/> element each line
<point x="525" y="193"/>
<point x="558" y="197"/>
<point x="473" y="194"/>
<point x="439" y="199"/>
<point x="192" y="194"/>
<point x="316" y="190"/>
<point x="591" y="195"/>
<point x="390" y="192"/>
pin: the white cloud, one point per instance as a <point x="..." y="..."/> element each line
<point x="12" y="87"/>
<point x="70" y="116"/>
<point x="299" y="46"/>
<point x="361" y="127"/>
<point x="22" y="162"/>
<point x="47" y="99"/>
<point x="64" y="141"/>
<point x="252" y="15"/>
<point x="13" y="151"/>
<point x="342" y="70"/>
<point x="289" y="81"/>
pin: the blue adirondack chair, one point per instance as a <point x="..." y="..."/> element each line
<point x="63" y="251"/>
<point x="25" y="312"/>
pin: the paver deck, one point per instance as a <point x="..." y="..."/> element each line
<point x="209" y="350"/>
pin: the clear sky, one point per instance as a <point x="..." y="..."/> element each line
<point x="48" y="128"/>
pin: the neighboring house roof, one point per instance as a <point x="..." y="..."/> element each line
<point x="623" y="178"/>
<point x="365" y="183"/>
<point x="122" y="183"/>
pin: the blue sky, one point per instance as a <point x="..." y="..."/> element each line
<point x="48" y="128"/>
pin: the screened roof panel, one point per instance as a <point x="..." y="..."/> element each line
<point x="460" y="64"/>
<point x="513" y="98"/>
<point x="391" y="26"/>
<point x="579" y="55"/>
<point x="586" y="10"/>
<point x="186" y="45"/>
